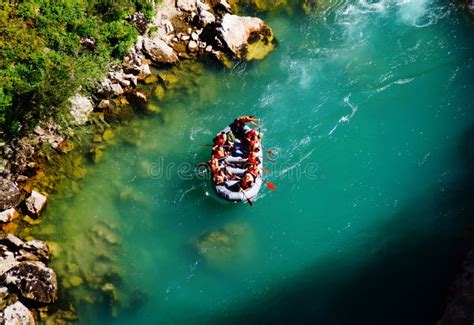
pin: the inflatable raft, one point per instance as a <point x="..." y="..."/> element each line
<point x="230" y="190"/>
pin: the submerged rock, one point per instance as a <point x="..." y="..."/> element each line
<point x="226" y="245"/>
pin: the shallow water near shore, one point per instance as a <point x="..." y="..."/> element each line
<point x="369" y="106"/>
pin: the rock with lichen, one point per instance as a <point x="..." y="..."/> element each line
<point x="80" y="108"/>
<point x="9" y="194"/>
<point x="24" y="277"/>
<point x="34" y="281"/>
<point x="248" y="38"/>
<point x="17" y="314"/>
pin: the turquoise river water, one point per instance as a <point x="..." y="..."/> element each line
<point x="369" y="105"/>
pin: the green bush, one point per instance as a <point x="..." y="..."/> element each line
<point x="42" y="62"/>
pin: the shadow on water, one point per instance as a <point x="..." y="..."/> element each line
<point x="417" y="264"/>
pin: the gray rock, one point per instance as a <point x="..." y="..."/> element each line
<point x="8" y="215"/>
<point x="33" y="281"/>
<point x="186" y="5"/>
<point x="167" y="25"/>
<point x="89" y="43"/>
<point x="192" y="46"/>
<point x="3" y="299"/>
<point x="14" y="240"/>
<point x="239" y="33"/>
<point x="104" y="104"/>
<point x="81" y="107"/>
<point x="37" y="248"/>
<point x="221" y="6"/>
<point x="35" y="203"/>
<point x="125" y="83"/>
<point x="159" y="51"/>
<point x="9" y="194"/>
<point x="17" y="314"/>
<point x="110" y="89"/>
<point x="205" y="18"/>
<point x="138" y="20"/>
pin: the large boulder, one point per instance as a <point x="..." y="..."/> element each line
<point x="33" y="281"/>
<point x="17" y="314"/>
<point x="35" y="203"/>
<point x="9" y="194"/>
<point x="81" y="107"/>
<point x="248" y="38"/>
<point x="159" y="51"/>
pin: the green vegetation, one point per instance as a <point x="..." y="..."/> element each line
<point x="42" y="60"/>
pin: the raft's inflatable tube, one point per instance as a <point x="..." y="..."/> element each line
<point x="230" y="190"/>
<point x="225" y="192"/>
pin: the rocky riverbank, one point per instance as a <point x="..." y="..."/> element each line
<point x="25" y="279"/>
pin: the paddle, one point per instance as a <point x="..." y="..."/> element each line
<point x="265" y="170"/>
<point x="246" y="197"/>
<point x="270" y="186"/>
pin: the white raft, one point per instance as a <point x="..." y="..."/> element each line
<point x="230" y="191"/>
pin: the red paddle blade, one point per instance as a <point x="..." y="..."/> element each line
<point x="265" y="170"/>
<point x="270" y="186"/>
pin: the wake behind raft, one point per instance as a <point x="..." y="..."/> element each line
<point x="236" y="162"/>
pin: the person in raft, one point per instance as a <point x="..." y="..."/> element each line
<point x="253" y="141"/>
<point x="220" y="139"/>
<point x="255" y="169"/>
<point x="218" y="152"/>
<point x="248" y="119"/>
<point x="246" y="182"/>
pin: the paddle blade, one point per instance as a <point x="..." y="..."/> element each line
<point x="270" y="186"/>
<point x="271" y="153"/>
<point x="265" y="170"/>
<point x="250" y="202"/>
